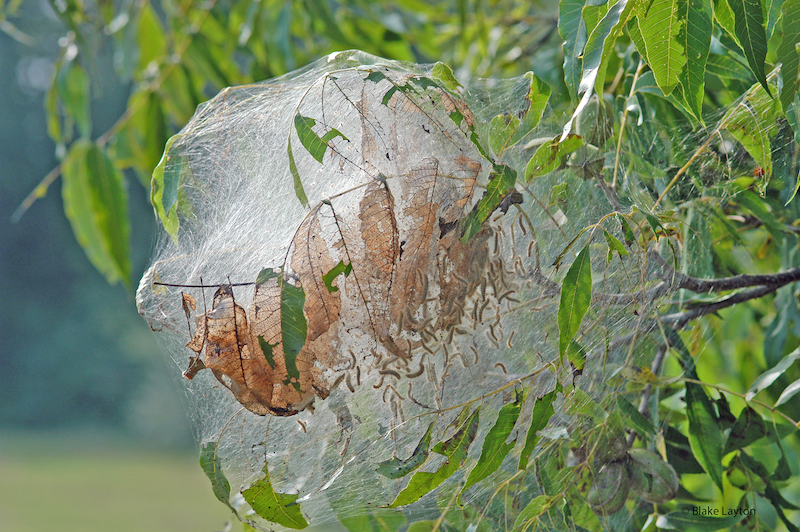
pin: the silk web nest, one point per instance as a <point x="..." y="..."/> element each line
<point x="361" y="280"/>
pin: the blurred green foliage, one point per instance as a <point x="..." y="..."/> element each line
<point x="685" y="96"/>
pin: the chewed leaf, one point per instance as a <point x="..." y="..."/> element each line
<point x="501" y="129"/>
<point x="298" y="183"/>
<point x="501" y="183"/>
<point x="771" y="375"/>
<point x="328" y="278"/>
<point x="164" y="189"/>
<point x="212" y="467"/>
<point x="576" y="293"/>
<point x="444" y="75"/>
<point x="538" y="95"/>
<point x="397" y="468"/>
<point x="279" y="508"/>
<point x="550" y="155"/>
<point x="495" y="448"/>
<point x="454" y="449"/>
<point x="315" y="145"/>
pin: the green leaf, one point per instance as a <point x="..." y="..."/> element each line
<point x="789" y="392"/>
<point x="501" y="182"/>
<point x="340" y="268"/>
<point x="572" y="29"/>
<point x="666" y="55"/>
<point x="164" y="189"/>
<point x="749" y="427"/>
<point x="627" y="232"/>
<point x="614" y="245"/>
<point x="576" y="293"/>
<point x="542" y="411"/>
<point x="73" y="89"/>
<point x="396" y="468"/>
<point x="495" y="448"/>
<point x="580" y="403"/>
<point x="635" y="419"/>
<point x="96" y="204"/>
<point x="695" y="37"/>
<point x="696" y="522"/>
<point x="444" y="75"/>
<point x="212" y="467"/>
<point x="771" y="375"/>
<point x="532" y="511"/>
<point x="538" y="95"/>
<point x="550" y="156"/>
<point x="298" y="183"/>
<point x="705" y="435"/>
<point x="751" y="35"/>
<point x="279" y="508"/>
<point x="315" y="145"/>
<point x="501" y="129"/>
<point x="600" y="45"/>
<point x="455" y="450"/>
<point x="752" y="122"/>
<point x="150" y="37"/>
<point x="787" y="52"/>
<point x="294" y="327"/>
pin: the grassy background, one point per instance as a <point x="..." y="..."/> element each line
<point x="97" y="482"/>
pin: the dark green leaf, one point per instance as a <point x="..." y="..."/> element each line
<point x="550" y="155"/>
<point x="455" y="450"/>
<point x="542" y="411"/>
<point x="495" y="448"/>
<point x="749" y="427"/>
<point x="779" y="503"/>
<point x="501" y="182"/>
<point x="787" y="52"/>
<point x="212" y="467"/>
<point x="666" y="55"/>
<point x="696" y="522"/>
<point x="771" y="375"/>
<point x="96" y="203"/>
<point x="294" y="327"/>
<point x="279" y="508"/>
<point x="576" y="293"/>
<point x="749" y="27"/>
<point x="328" y="278"/>
<point x="789" y="392"/>
<point x="636" y="420"/>
<point x="695" y="37"/>
<point x="396" y="468"/>
<point x="572" y="29"/>
<point x="705" y="435"/>
<point x="537" y="97"/>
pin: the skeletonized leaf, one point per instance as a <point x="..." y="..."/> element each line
<point x="212" y="467"/>
<point x="749" y="27"/>
<point x="665" y="53"/>
<point x="96" y="203"/>
<point x="542" y="411"/>
<point x="278" y="508"/>
<point x="576" y="293"/>
<point x="705" y="435"/>
<point x="397" y="468"/>
<point x="454" y="449"/>
<point x="771" y="375"/>
<point x="328" y="278"/>
<point x="495" y="448"/>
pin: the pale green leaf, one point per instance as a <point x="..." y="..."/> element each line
<point x="212" y="467"/>
<point x="164" y="189"/>
<point x="551" y="155"/>
<point x="789" y="392"/>
<point x="501" y="129"/>
<point x="532" y="511"/>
